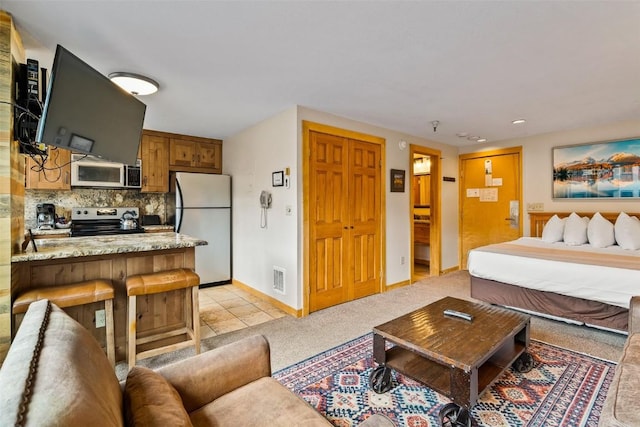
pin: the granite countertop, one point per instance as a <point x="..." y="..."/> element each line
<point x="158" y="227"/>
<point x="71" y="247"/>
<point x="57" y="232"/>
<point x="53" y="232"/>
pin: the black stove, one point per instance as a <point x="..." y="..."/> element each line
<point x="102" y="221"/>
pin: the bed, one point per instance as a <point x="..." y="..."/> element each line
<point x="579" y="284"/>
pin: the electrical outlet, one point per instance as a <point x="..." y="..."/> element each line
<point x="401" y="260"/>
<point x="101" y="319"/>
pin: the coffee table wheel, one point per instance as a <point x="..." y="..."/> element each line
<point x="380" y="380"/>
<point x="453" y="415"/>
<point x="524" y="363"/>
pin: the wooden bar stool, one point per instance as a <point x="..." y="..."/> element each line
<point x="72" y="295"/>
<point x="153" y="283"/>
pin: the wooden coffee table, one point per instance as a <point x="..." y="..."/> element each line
<point x="453" y="356"/>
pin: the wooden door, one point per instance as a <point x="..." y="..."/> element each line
<point x="328" y="204"/>
<point x="344" y="224"/>
<point x="490" y="194"/>
<point x="364" y="218"/>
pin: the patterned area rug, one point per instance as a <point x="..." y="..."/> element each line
<point x="563" y="389"/>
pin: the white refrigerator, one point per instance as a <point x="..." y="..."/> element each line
<point x="203" y="210"/>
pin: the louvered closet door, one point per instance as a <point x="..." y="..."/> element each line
<point x="344" y="258"/>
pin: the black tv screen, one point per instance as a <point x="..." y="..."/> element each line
<point x="85" y="112"/>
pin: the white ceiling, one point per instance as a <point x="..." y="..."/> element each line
<point x="474" y="66"/>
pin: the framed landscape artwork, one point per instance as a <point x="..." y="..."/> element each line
<point x="603" y="170"/>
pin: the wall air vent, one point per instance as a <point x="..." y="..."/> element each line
<point x="278" y="279"/>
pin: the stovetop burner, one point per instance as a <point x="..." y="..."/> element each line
<point x="101" y="221"/>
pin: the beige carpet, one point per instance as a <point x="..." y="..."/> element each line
<point x="293" y="340"/>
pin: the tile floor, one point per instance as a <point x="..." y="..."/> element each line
<point x="227" y="308"/>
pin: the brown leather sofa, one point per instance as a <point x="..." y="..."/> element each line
<point x="56" y="373"/>
<point x="621" y="405"/>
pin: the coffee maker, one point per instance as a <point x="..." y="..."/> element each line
<point x="46" y="216"/>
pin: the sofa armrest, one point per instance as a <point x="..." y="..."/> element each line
<point x="203" y="378"/>
<point x="634" y="315"/>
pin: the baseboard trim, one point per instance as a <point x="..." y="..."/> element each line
<point x="449" y="270"/>
<point x="396" y="285"/>
<point x="276" y="303"/>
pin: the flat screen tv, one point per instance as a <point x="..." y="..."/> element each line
<point x="85" y="112"/>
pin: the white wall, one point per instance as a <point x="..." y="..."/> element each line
<point x="250" y="157"/>
<point x="538" y="168"/>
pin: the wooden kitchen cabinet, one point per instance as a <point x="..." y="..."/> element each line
<point x="154" y="153"/>
<point x="56" y="174"/>
<point x="195" y="154"/>
<point x="421" y="232"/>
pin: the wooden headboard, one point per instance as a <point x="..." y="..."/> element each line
<point x="537" y="220"/>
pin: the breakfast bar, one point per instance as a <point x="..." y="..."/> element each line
<point x="64" y="260"/>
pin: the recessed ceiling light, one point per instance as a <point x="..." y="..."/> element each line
<point x="473" y="138"/>
<point x="462" y="134"/>
<point x="518" y="121"/>
<point x="134" y="83"/>
<point x="482" y="140"/>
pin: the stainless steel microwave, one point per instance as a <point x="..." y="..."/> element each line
<point x="89" y="171"/>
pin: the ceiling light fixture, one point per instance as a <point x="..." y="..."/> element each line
<point x="518" y="121"/>
<point x="134" y="83"/>
<point x="482" y="140"/>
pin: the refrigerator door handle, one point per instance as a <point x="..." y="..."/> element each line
<point x="179" y="213"/>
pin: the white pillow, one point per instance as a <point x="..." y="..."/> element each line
<point x="575" y="230"/>
<point x="553" y="230"/>
<point x="600" y="232"/>
<point x="627" y="231"/>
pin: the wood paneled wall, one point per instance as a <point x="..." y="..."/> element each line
<point x="11" y="174"/>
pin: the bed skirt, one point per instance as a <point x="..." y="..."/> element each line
<point x="591" y="313"/>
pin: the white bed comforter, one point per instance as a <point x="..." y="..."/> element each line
<point x="614" y="286"/>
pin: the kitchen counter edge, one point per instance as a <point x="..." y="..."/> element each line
<point x="73" y="247"/>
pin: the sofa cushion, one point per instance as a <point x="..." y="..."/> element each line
<point x="74" y="383"/>
<point x="149" y="400"/>
<point x="620" y="406"/>
<point x="264" y="402"/>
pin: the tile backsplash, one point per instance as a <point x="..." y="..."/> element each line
<point x="65" y="201"/>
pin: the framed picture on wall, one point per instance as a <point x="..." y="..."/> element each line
<point x="602" y="170"/>
<point x="397" y="180"/>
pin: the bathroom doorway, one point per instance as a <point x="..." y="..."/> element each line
<point x="425" y="198"/>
